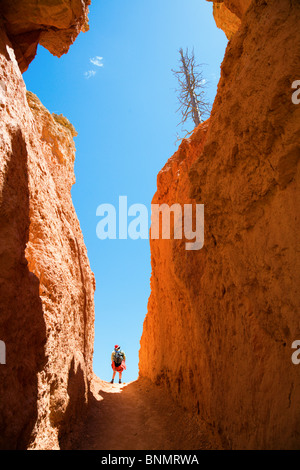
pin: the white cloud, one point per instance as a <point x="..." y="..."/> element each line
<point x="89" y="74"/>
<point x="97" y="61"/>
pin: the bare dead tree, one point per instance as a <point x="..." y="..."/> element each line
<point x="191" y="89"/>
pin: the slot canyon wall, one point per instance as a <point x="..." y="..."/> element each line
<point x="221" y="320"/>
<point x="46" y="285"/>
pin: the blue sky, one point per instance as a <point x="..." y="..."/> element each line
<point x="123" y="108"/>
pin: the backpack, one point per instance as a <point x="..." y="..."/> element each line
<point x="118" y="357"/>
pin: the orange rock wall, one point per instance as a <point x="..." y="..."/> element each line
<point x="225" y="19"/>
<point x="228" y="14"/>
<point x="46" y="285"/>
<point x="221" y="321"/>
<point x="53" y="24"/>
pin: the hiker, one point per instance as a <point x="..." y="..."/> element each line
<point x="118" y="359"/>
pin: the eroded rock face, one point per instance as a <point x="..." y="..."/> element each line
<point x="46" y="285"/>
<point x="228" y="14"/>
<point x="226" y="20"/>
<point x="221" y="321"/>
<point x="238" y="7"/>
<point x="54" y="25"/>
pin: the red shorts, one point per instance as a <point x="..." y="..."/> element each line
<point x="119" y="368"/>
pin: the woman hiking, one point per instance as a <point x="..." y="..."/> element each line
<point x="118" y="359"/>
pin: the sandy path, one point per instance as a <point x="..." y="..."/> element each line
<point x="139" y="416"/>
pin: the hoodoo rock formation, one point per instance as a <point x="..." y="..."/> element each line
<point x="46" y="285"/>
<point x="221" y="321"/>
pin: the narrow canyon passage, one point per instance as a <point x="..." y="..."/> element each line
<point x="139" y="415"/>
<point x="219" y="350"/>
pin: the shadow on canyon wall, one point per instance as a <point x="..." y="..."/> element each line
<point x="77" y="401"/>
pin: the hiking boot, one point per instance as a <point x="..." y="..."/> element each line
<point x="111" y="381"/>
<point x="120" y="381"/>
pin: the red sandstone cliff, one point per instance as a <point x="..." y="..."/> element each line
<point x="46" y="285"/>
<point x="221" y="321"/>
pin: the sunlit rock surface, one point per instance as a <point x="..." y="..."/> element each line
<point x="221" y="321"/>
<point x="226" y="20"/>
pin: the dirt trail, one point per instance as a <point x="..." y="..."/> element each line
<point x="139" y="416"/>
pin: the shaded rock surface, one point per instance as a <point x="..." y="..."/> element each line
<point x="139" y="415"/>
<point x="226" y="20"/>
<point x="46" y="285"/>
<point x="221" y="321"/>
<point x="54" y="25"/>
